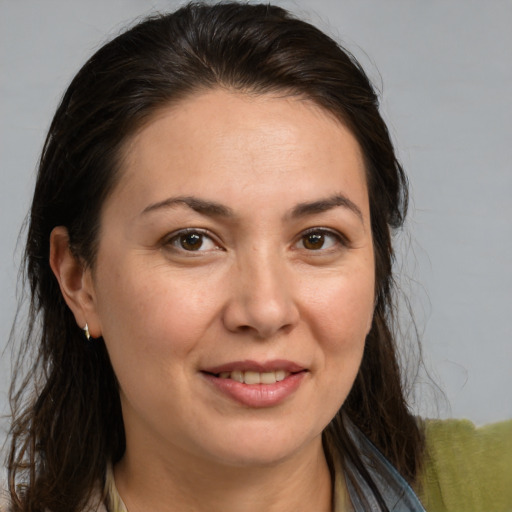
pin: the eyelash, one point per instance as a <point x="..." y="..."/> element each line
<point x="175" y="240"/>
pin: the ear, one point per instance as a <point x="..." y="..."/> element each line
<point x="75" y="281"/>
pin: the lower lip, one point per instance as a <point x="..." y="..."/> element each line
<point x="257" y="395"/>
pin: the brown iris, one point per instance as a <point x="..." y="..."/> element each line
<point x="191" y="241"/>
<point x="313" y="241"/>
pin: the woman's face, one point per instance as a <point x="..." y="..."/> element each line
<point x="234" y="281"/>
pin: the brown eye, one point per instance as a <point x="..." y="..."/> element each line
<point x="192" y="241"/>
<point x="319" y="239"/>
<point x="313" y="241"/>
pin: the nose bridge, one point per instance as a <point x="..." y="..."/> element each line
<point x="262" y="300"/>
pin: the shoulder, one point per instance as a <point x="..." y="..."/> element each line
<point x="465" y="467"/>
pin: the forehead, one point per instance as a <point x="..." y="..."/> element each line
<point x="251" y="143"/>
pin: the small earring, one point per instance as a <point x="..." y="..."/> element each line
<point x="86" y="332"/>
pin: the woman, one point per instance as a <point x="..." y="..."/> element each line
<point x="209" y="254"/>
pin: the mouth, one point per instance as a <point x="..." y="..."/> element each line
<point x="256" y="384"/>
<point x="252" y="372"/>
<point x="252" y="377"/>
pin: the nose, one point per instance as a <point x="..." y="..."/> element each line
<point x="262" y="301"/>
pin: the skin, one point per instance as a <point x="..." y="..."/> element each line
<point x="257" y="289"/>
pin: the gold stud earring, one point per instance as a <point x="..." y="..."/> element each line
<point x="86" y="332"/>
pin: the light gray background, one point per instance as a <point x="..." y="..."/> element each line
<point x="445" y="72"/>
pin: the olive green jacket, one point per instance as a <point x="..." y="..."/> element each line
<point x="467" y="469"/>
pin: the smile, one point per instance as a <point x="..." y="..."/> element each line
<point x="256" y="385"/>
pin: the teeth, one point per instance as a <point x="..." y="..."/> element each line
<point x="237" y="375"/>
<point x="268" y="378"/>
<point x="281" y="375"/>
<point x="250" y="377"/>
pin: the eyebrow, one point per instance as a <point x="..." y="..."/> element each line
<point x="323" y="205"/>
<point x="209" y="208"/>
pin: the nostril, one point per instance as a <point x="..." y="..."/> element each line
<point x="258" y="315"/>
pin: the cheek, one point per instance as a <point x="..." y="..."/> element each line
<point x="150" y="313"/>
<point x="342" y="309"/>
<point x="152" y="327"/>
<point x="340" y="318"/>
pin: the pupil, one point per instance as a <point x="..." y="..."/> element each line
<point x="191" y="242"/>
<point x="314" y="241"/>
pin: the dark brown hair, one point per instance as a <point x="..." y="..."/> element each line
<point x="67" y="422"/>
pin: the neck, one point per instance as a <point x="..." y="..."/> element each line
<point x="301" y="482"/>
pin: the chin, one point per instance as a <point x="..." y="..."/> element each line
<point x="254" y="458"/>
<point x="263" y="447"/>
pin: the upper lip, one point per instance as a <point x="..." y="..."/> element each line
<point x="255" y="366"/>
